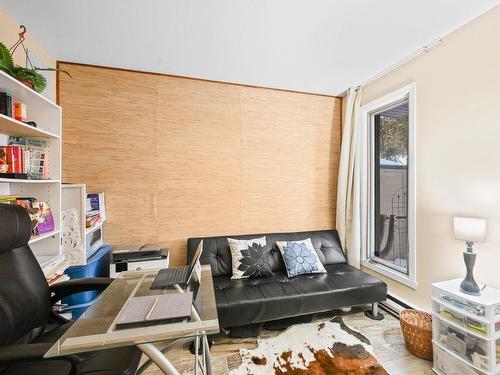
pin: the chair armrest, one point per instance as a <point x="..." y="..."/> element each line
<point x="16" y="354"/>
<point x="67" y="288"/>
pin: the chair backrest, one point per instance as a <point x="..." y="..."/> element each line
<point x="24" y="293"/>
<point x="216" y="249"/>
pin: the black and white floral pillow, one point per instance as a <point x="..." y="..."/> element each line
<point x="239" y="250"/>
<point x="254" y="262"/>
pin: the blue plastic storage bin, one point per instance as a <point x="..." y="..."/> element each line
<point x="77" y="310"/>
<point x="97" y="266"/>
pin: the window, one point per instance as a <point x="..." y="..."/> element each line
<point x="388" y="175"/>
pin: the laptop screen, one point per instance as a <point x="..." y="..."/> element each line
<point x="195" y="260"/>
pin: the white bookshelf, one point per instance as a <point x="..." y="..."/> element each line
<point x="48" y="117"/>
<point x="74" y="196"/>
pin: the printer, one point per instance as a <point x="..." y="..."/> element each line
<point x="137" y="257"/>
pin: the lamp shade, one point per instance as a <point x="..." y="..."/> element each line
<point x="469" y="229"/>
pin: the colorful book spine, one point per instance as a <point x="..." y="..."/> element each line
<point x="12" y="159"/>
<point x="19" y="110"/>
<point x="7" y="198"/>
<point x="6" y="104"/>
<point x="92" y="221"/>
<point x="36" y="153"/>
<point x="4" y="163"/>
<point x="24" y="202"/>
<point x="95" y="205"/>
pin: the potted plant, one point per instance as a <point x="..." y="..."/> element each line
<point x="28" y="76"/>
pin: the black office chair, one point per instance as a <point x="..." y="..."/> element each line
<point x="28" y="327"/>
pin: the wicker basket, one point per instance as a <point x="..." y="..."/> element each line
<point x="417" y="330"/>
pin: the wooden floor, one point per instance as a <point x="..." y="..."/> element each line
<point x="385" y="336"/>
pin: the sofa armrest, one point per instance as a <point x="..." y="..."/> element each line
<point x="25" y="353"/>
<point x="67" y="288"/>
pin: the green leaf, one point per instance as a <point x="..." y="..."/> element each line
<point x="31" y="75"/>
<point x="54" y="70"/>
<point x="6" y="62"/>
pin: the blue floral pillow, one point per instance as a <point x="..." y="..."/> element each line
<point x="300" y="257"/>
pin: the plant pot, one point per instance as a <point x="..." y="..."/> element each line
<point x="26" y="83"/>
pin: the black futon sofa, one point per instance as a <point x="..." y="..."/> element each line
<point x="247" y="301"/>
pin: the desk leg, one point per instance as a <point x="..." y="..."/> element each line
<point x="208" y="359"/>
<point x="164" y="349"/>
<point x="159" y="359"/>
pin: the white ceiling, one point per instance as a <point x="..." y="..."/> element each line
<point x="320" y="46"/>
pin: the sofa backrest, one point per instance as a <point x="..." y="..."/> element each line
<point x="216" y="249"/>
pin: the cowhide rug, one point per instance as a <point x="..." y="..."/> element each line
<point x="329" y="347"/>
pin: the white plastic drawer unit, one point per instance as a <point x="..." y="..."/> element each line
<point x="467" y="346"/>
<point x="467" y="328"/>
<point x="474" y="325"/>
<point x="485" y="307"/>
<point x="446" y="364"/>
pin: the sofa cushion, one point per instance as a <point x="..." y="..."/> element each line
<point x="239" y="249"/>
<point x="300" y="257"/>
<point x="246" y="301"/>
<point x="216" y="249"/>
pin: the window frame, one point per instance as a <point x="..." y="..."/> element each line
<point x="367" y="179"/>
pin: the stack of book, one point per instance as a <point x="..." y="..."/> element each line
<point x="7" y="198"/>
<point x="53" y="268"/>
<point x="11" y="107"/>
<point x="57" y="277"/>
<point x="13" y="161"/>
<point x="95" y="212"/>
<point x="24" y="158"/>
<point x="40" y="212"/>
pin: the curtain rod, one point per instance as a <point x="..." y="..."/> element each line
<point x="396" y="65"/>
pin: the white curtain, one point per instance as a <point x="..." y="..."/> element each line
<point x="348" y="188"/>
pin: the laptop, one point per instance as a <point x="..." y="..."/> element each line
<point x="160" y="309"/>
<point x="177" y="275"/>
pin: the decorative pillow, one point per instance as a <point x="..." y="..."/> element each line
<point x="236" y="246"/>
<point x="255" y="262"/>
<point x="300" y="257"/>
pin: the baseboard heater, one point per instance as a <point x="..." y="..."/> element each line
<point x="394" y="305"/>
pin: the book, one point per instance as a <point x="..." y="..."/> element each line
<point x="26" y="202"/>
<point x="46" y="219"/>
<point x="12" y="159"/>
<point x="19" y="110"/>
<point x="95" y="205"/>
<point x="7" y="198"/>
<point x="57" y="278"/>
<point x="6" y="104"/>
<point x="92" y="213"/>
<point x="36" y="154"/>
<point x="4" y="163"/>
<point x="17" y="153"/>
<point x="92" y="221"/>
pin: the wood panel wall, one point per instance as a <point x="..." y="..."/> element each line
<point x="180" y="157"/>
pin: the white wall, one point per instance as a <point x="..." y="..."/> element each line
<point x="9" y="31"/>
<point x="458" y="150"/>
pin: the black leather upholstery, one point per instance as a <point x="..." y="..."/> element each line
<point x="26" y="329"/>
<point x="247" y="301"/>
<point x="216" y="249"/>
<point x="24" y="301"/>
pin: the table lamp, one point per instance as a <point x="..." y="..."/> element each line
<point x="469" y="230"/>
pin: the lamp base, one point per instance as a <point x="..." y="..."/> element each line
<point x="469" y="285"/>
<point x="470" y="293"/>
